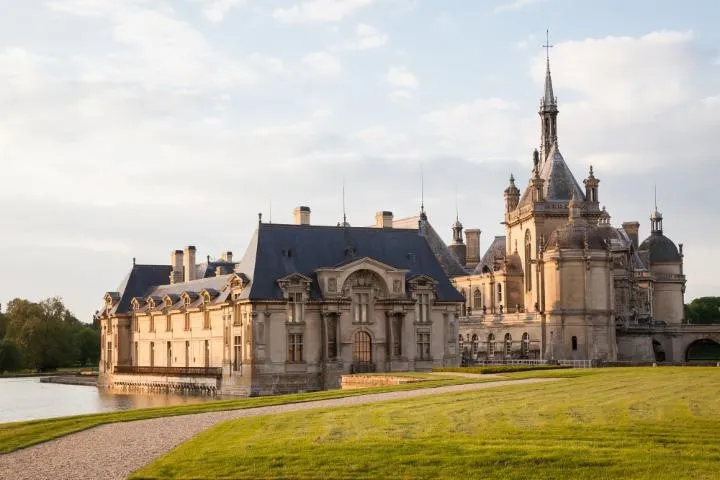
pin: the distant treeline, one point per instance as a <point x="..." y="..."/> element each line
<point x="45" y="336"/>
<point x="703" y="310"/>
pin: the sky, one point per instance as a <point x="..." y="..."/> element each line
<point x="130" y="128"/>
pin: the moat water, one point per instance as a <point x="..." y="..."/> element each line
<point x="28" y="399"/>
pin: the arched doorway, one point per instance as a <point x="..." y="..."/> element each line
<point x="705" y="350"/>
<point x="362" y="353"/>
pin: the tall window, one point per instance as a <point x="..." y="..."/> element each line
<point x="152" y="354"/>
<point x="237" y="353"/>
<point x="187" y="354"/>
<point x="361" y="307"/>
<point x="461" y="343"/>
<point x="423" y="346"/>
<point x="424" y="307"/>
<point x="206" y="318"/>
<point x="397" y="324"/>
<point x="109" y="356"/>
<point x="136" y="359"/>
<point x="525" y="345"/>
<point x="168" y="322"/>
<point x="187" y="321"/>
<point x="528" y="264"/>
<point x="207" y="353"/>
<point x="491" y="345"/>
<point x="332" y="337"/>
<point x="169" y="354"/>
<point x="295" y="303"/>
<point x="463" y="308"/>
<point x="152" y="322"/>
<point x="499" y="292"/>
<point x="574" y="343"/>
<point x="362" y="348"/>
<point x="474" y="345"/>
<point x="136" y="324"/>
<point x="295" y="348"/>
<point x="477" y="300"/>
<point x="508" y="345"/>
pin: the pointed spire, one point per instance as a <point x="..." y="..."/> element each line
<point x="423" y="216"/>
<point x="549" y="97"/>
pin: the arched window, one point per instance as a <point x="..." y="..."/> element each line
<point x="477" y="300"/>
<point x="461" y="343"/>
<point x="508" y="345"/>
<point x="574" y="343"/>
<point x="474" y="345"/>
<point x="525" y="345"/>
<point x="491" y="345"/>
<point x="528" y="263"/>
<point x="362" y="348"/>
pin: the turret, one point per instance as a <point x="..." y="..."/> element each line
<point x="458" y="247"/>
<point x="591" y="188"/>
<point x="512" y="195"/>
<point x="536" y="182"/>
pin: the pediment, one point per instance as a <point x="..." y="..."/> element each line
<point x="295" y="279"/>
<point x="422" y="281"/>
<point x="361" y="263"/>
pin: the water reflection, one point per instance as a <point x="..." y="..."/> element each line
<point x="28" y="399"/>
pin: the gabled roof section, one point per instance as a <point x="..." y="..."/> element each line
<point x="138" y="282"/>
<point x="449" y="262"/>
<point x="493" y="255"/>
<point x="314" y="247"/>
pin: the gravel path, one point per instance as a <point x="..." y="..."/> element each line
<point x="113" y="451"/>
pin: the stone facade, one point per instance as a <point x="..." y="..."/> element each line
<point x="305" y="305"/>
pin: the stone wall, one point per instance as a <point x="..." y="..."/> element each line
<point x="635" y="348"/>
<point x="163" y="383"/>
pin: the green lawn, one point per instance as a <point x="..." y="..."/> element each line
<point x="646" y="423"/>
<point x="18" y="435"/>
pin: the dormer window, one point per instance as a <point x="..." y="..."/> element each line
<point x="295" y="307"/>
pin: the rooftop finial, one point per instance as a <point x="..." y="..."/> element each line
<point x="547" y="46"/>
<point x="549" y="97"/>
<point x="343" y="203"/>
<point x="422" y="194"/>
<point x="655" y="188"/>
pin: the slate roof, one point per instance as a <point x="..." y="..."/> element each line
<point x="137" y="283"/>
<point x="660" y="249"/>
<point x="559" y="181"/>
<point x="277" y="250"/>
<point x="493" y="255"/>
<point x="449" y="262"/>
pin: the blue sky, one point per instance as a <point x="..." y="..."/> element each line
<point x="131" y="128"/>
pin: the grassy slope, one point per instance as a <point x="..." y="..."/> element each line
<point x="661" y="423"/>
<point x="16" y="435"/>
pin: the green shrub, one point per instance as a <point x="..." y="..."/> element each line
<point x="498" y="368"/>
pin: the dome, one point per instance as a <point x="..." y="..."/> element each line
<point x="660" y="249"/>
<point x="574" y="236"/>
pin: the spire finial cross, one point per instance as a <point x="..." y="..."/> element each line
<point x="547" y="45"/>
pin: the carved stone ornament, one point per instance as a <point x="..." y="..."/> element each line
<point x="365" y="279"/>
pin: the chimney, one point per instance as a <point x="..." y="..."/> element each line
<point x="302" y="215"/>
<point x="384" y="219"/>
<point x="472" y="240"/>
<point x="226" y="257"/>
<point x="632" y="229"/>
<point x="221" y="270"/>
<point x="460" y="252"/>
<point x="189" y="263"/>
<point x="176" y="261"/>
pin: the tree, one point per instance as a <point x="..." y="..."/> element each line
<point x="703" y="310"/>
<point x="10" y="356"/>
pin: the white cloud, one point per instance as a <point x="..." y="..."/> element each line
<point x="516" y="5"/>
<point x="321" y="64"/>
<point x="401" y="77"/>
<point x="216" y="10"/>
<point x="318" y="11"/>
<point x="367" y="37"/>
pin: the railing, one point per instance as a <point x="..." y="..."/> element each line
<point x="570" y="363"/>
<point x="176" y="371"/>
<point x="362" y="367"/>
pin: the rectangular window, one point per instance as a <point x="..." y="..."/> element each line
<point x="424" y="307"/>
<point x="187" y="354"/>
<point x="237" y="353"/>
<point x="136" y="324"/>
<point x="423" y="346"/>
<point x="295" y="303"/>
<point x="295" y="348"/>
<point x="332" y="337"/>
<point x="152" y="354"/>
<point x="206" y="319"/>
<point x="136" y="359"/>
<point x="109" y="358"/>
<point x="187" y="322"/>
<point x="397" y="336"/>
<point x="169" y="354"/>
<point x="152" y="323"/>
<point x="168" y="322"/>
<point x="207" y="353"/>
<point x="361" y="307"/>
